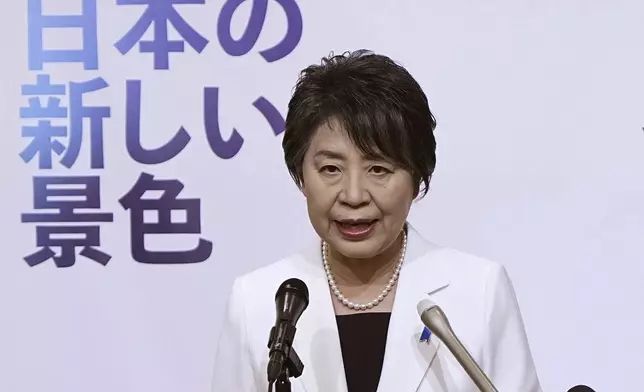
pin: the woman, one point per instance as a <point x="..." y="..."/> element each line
<point x="359" y="144"/>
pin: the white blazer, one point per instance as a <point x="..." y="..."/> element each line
<point x="475" y="294"/>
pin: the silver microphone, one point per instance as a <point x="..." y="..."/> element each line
<point x="434" y="319"/>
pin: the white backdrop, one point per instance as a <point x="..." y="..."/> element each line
<point x="540" y="109"/>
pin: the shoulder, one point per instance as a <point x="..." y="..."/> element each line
<point x="470" y="270"/>
<point x="485" y="282"/>
<point x="471" y="281"/>
<point x="425" y="257"/>
<point x="462" y="259"/>
<point x="459" y="265"/>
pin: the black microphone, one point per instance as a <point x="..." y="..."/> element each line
<point x="291" y="300"/>
<point x="581" y="388"/>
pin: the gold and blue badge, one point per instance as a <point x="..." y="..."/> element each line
<point x="425" y="335"/>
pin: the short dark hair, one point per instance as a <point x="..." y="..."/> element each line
<point x="381" y="107"/>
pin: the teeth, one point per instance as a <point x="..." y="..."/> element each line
<point x="356" y="225"/>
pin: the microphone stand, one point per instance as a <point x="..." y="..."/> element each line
<point x="293" y="367"/>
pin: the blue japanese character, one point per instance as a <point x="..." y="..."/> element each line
<point x="79" y="112"/>
<point x="133" y="131"/>
<point x="271" y="114"/>
<point x="163" y="206"/>
<point x="43" y="134"/>
<point x="65" y="195"/>
<point x="227" y="149"/>
<point x="161" y="13"/>
<point x="39" y="23"/>
<point x="254" y="27"/>
<point x="224" y="149"/>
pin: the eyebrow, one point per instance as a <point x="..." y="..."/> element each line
<point x="339" y="156"/>
<point x="329" y="154"/>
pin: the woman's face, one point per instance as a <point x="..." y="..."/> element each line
<point x="358" y="205"/>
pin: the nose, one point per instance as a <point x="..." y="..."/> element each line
<point x="354" y="192"/>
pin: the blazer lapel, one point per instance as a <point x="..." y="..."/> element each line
<point x="407" y="359"/>
<point x="317" y="342"/>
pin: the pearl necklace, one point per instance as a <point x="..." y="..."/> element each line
<point x="379" y="298"/>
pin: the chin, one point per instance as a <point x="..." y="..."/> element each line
<point x="356" y="250"/>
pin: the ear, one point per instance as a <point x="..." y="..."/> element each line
<point x="303" y="190"/>
<point x="299" y="182"/>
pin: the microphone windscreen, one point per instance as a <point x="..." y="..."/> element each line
<point x="581" y="388"/>
<point x="424" y="305"/>
<point x="293" y="285"/>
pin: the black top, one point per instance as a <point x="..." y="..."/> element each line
<point x="363" y="337"/>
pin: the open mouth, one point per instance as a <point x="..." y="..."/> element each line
<point x="356" y="228"/>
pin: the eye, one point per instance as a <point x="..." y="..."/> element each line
<point x="380" y="170"/>
<point x="329" y="169"/>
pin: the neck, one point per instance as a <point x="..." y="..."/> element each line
<point x="351" y="271"/>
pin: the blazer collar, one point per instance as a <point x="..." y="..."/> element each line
<point x="406" y="358"/>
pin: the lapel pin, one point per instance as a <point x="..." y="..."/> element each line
<point x="425" y="335"/>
